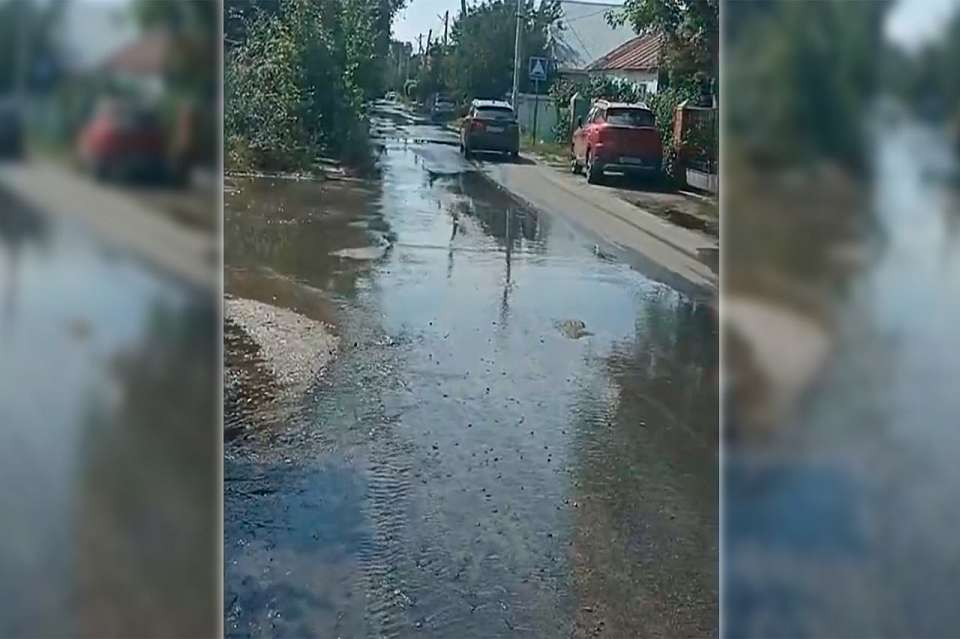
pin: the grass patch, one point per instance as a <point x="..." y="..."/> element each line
<point x="553" y="152"/>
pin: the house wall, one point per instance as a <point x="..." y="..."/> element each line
<point x="646" y="78"/>
<point x="149" y="86"/>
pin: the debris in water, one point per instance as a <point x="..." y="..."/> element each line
<point x="574" y="329"/>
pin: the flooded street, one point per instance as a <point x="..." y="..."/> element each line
<point x="105" y="483"/>
<point x="510" y="434"/>
<point x="845" y="523"/>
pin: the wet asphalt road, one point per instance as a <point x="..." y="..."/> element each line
<point x="108" y="405"/>
<point x="844" y="524"/>
<point x="517" y="438"/>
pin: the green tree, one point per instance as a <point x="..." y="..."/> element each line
<point x="193" y="27"/>
<point x="691" y="32"/>
<point x="478" y="60"/>
<point x="297" y="77"/>
<point x="800" y="77"/>
<point x="37" y="23"/>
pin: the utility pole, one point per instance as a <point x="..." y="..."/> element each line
<point x="463" y="8"/>
<point x="22" y="52"/>
<point x="429" y="35"/>
<point x="516" y="56"/>
<point x="420" y="43"/>
<point x="446" y="19"/>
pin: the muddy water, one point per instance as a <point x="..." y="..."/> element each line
<point x="845" y="524"/>
<point x="467" y="466"/>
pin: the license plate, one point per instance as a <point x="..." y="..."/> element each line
<point x="495" y="129"/>
<point x="629" y="160"/>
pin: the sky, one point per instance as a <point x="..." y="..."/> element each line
<point x="912" y="22"/>
<point x="421" y="15"/>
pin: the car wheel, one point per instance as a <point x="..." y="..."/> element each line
<point x="594" y="170"/>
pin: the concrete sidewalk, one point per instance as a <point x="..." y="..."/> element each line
<point x="644" y="237"/>
<point x="118" y="219"/>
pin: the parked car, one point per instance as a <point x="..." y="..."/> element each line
<point x="617" y="137"/>
<point x="123" y="141"/>
<point x="490" y="125"/>
<point x="11" y="129"/>
<point x="442" y="108"/>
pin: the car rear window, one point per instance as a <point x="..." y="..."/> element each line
<point x="495" y="113"/>
<point x="630" y="117"/>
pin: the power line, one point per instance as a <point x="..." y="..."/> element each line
<point x="586" y="15"/>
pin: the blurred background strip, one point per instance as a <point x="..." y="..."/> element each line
<point x="109" y="321"/>
<point x="840" y="205"/>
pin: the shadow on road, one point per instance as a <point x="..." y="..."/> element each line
<point x="500" y="158"/>
<point x="652" y="184"/>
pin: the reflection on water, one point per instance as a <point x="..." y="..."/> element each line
<point x="501" y="478"/>
<point x="108" y="469"/>
<point x="845" y="525"/>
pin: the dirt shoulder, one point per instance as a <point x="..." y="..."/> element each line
<point x="697" y="212"/>
<point x="119" y="219"/>
<point x="644" y="239"/>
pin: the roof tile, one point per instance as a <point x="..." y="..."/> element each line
<point x="639" y="54"/>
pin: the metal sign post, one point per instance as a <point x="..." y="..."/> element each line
<point x="537" y="69"/>
<point x="536" y="108"/>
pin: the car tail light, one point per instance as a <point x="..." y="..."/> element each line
<point x="478" y="125"/>
<point x="608" y="137"/>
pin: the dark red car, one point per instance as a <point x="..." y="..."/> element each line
<point x="617" y="137"/>
<point x="490" y="125"/>
<point x="123" y="140"/>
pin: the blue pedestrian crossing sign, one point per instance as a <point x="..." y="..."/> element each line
<point x="538" y="68"/>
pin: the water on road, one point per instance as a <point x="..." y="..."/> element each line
<point x="108" y="405"/>
<point x="844" y="523"/>
<point x="517" y="436"/>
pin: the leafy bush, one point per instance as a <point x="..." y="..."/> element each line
<point x="664" y="104"/>
<point x="295" y="85"/>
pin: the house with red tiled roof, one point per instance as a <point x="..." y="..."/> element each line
<point x="637" y="60"/>
<point x="143" y="63"/>
<point x="583" y="34"/>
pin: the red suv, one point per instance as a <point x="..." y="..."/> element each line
<point x="123" y="140"/>
<point x="617" y="137"/>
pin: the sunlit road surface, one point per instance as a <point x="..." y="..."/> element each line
<point x="845" y="523"/>
<point x="517" y="437"/>
<point x="118" y="219"/>
<point x="108" y="409"/>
